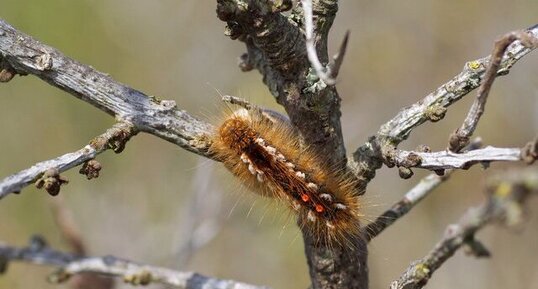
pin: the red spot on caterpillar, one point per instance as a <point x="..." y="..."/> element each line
<point x="265" y="153"/>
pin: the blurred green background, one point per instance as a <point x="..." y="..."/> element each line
<point x="139" y="207"/>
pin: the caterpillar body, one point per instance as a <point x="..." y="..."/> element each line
<point x="264" y="152"/>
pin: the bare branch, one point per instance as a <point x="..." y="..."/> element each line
<point x="162" y="118"/>
<point x="237" y="101"/>
<point x="277" y="62"/>
<point x="133" y="273"/>
<point x="326" y="74"/>
<point x="450" y="160"/>
<point x="461" y="136"/>
<point x="411" y="198"/>
<point x="401" y="208"/>
<point x="507" y="195"/>
<point x="311" y="42"/>
<point x="114" y="138"/>
<point x="433" y="106"/>
<point x="334" y="66"/>
<point x="370" y="156"/>
<point x="275" y="46"/>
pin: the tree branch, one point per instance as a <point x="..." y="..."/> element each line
<point x="420" y="191"/>
<point x="506" y="196"/>
<point x="431" y="107"/>
<point x="370" y="156"/>
<point x="24" y="55"/>
<point x="449" y="160"/>
<point x="411" y="199"/>
<point x="461" y="136"/>
<point x="114" y="138"/>
<point x="274" y="41"/>
<point x="326" y="73"/>
<point x="136" y="274"/>
<point x="276" y="47"/>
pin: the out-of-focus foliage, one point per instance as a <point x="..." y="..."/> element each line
<point x="399" y="51"/>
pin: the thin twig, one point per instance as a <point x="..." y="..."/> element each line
<point x="334" y="66"/>
<point x="461" y="136"/>
<point x="133" y="273"/>
<point x="326" y="74"/>
<point x="420" y="191"/>
<point x="161" y="118"/>
<point x="507" y="195"/>
<point x="237" y="101"/>
<point x="370" y="156"/>
<point x="433" y="106"/>
<point x="114" y="138"/>
<point x="449" y="160"/>
<point x="401" y="208"/>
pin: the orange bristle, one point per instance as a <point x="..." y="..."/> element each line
<point x="265" y="153"/>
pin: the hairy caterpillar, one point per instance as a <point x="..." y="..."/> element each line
<point x="262" y="149"/>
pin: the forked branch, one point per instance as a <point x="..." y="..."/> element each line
<point x="420" y="191"/>
<point x="47" y="172"/>
<point x="433" y="106"/>
<point x="461" y="136"/>
<point x="414" y="196"/>
<point x="282" y="64"/>
<point x="506" y="198"/>
<point x="24" y="55"/>
<point x="329" y="72"/>
<point x="380" y="148"/>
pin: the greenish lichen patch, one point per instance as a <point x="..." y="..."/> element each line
<point x="435" y="112"/>
<point x="59" y="276"/>
<point x="313" y="83"/>
<point x="474" y="65"/>
<point x="155" y="99"/>
<point x="143" y="277"/>
<point x="422" y="271"/>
